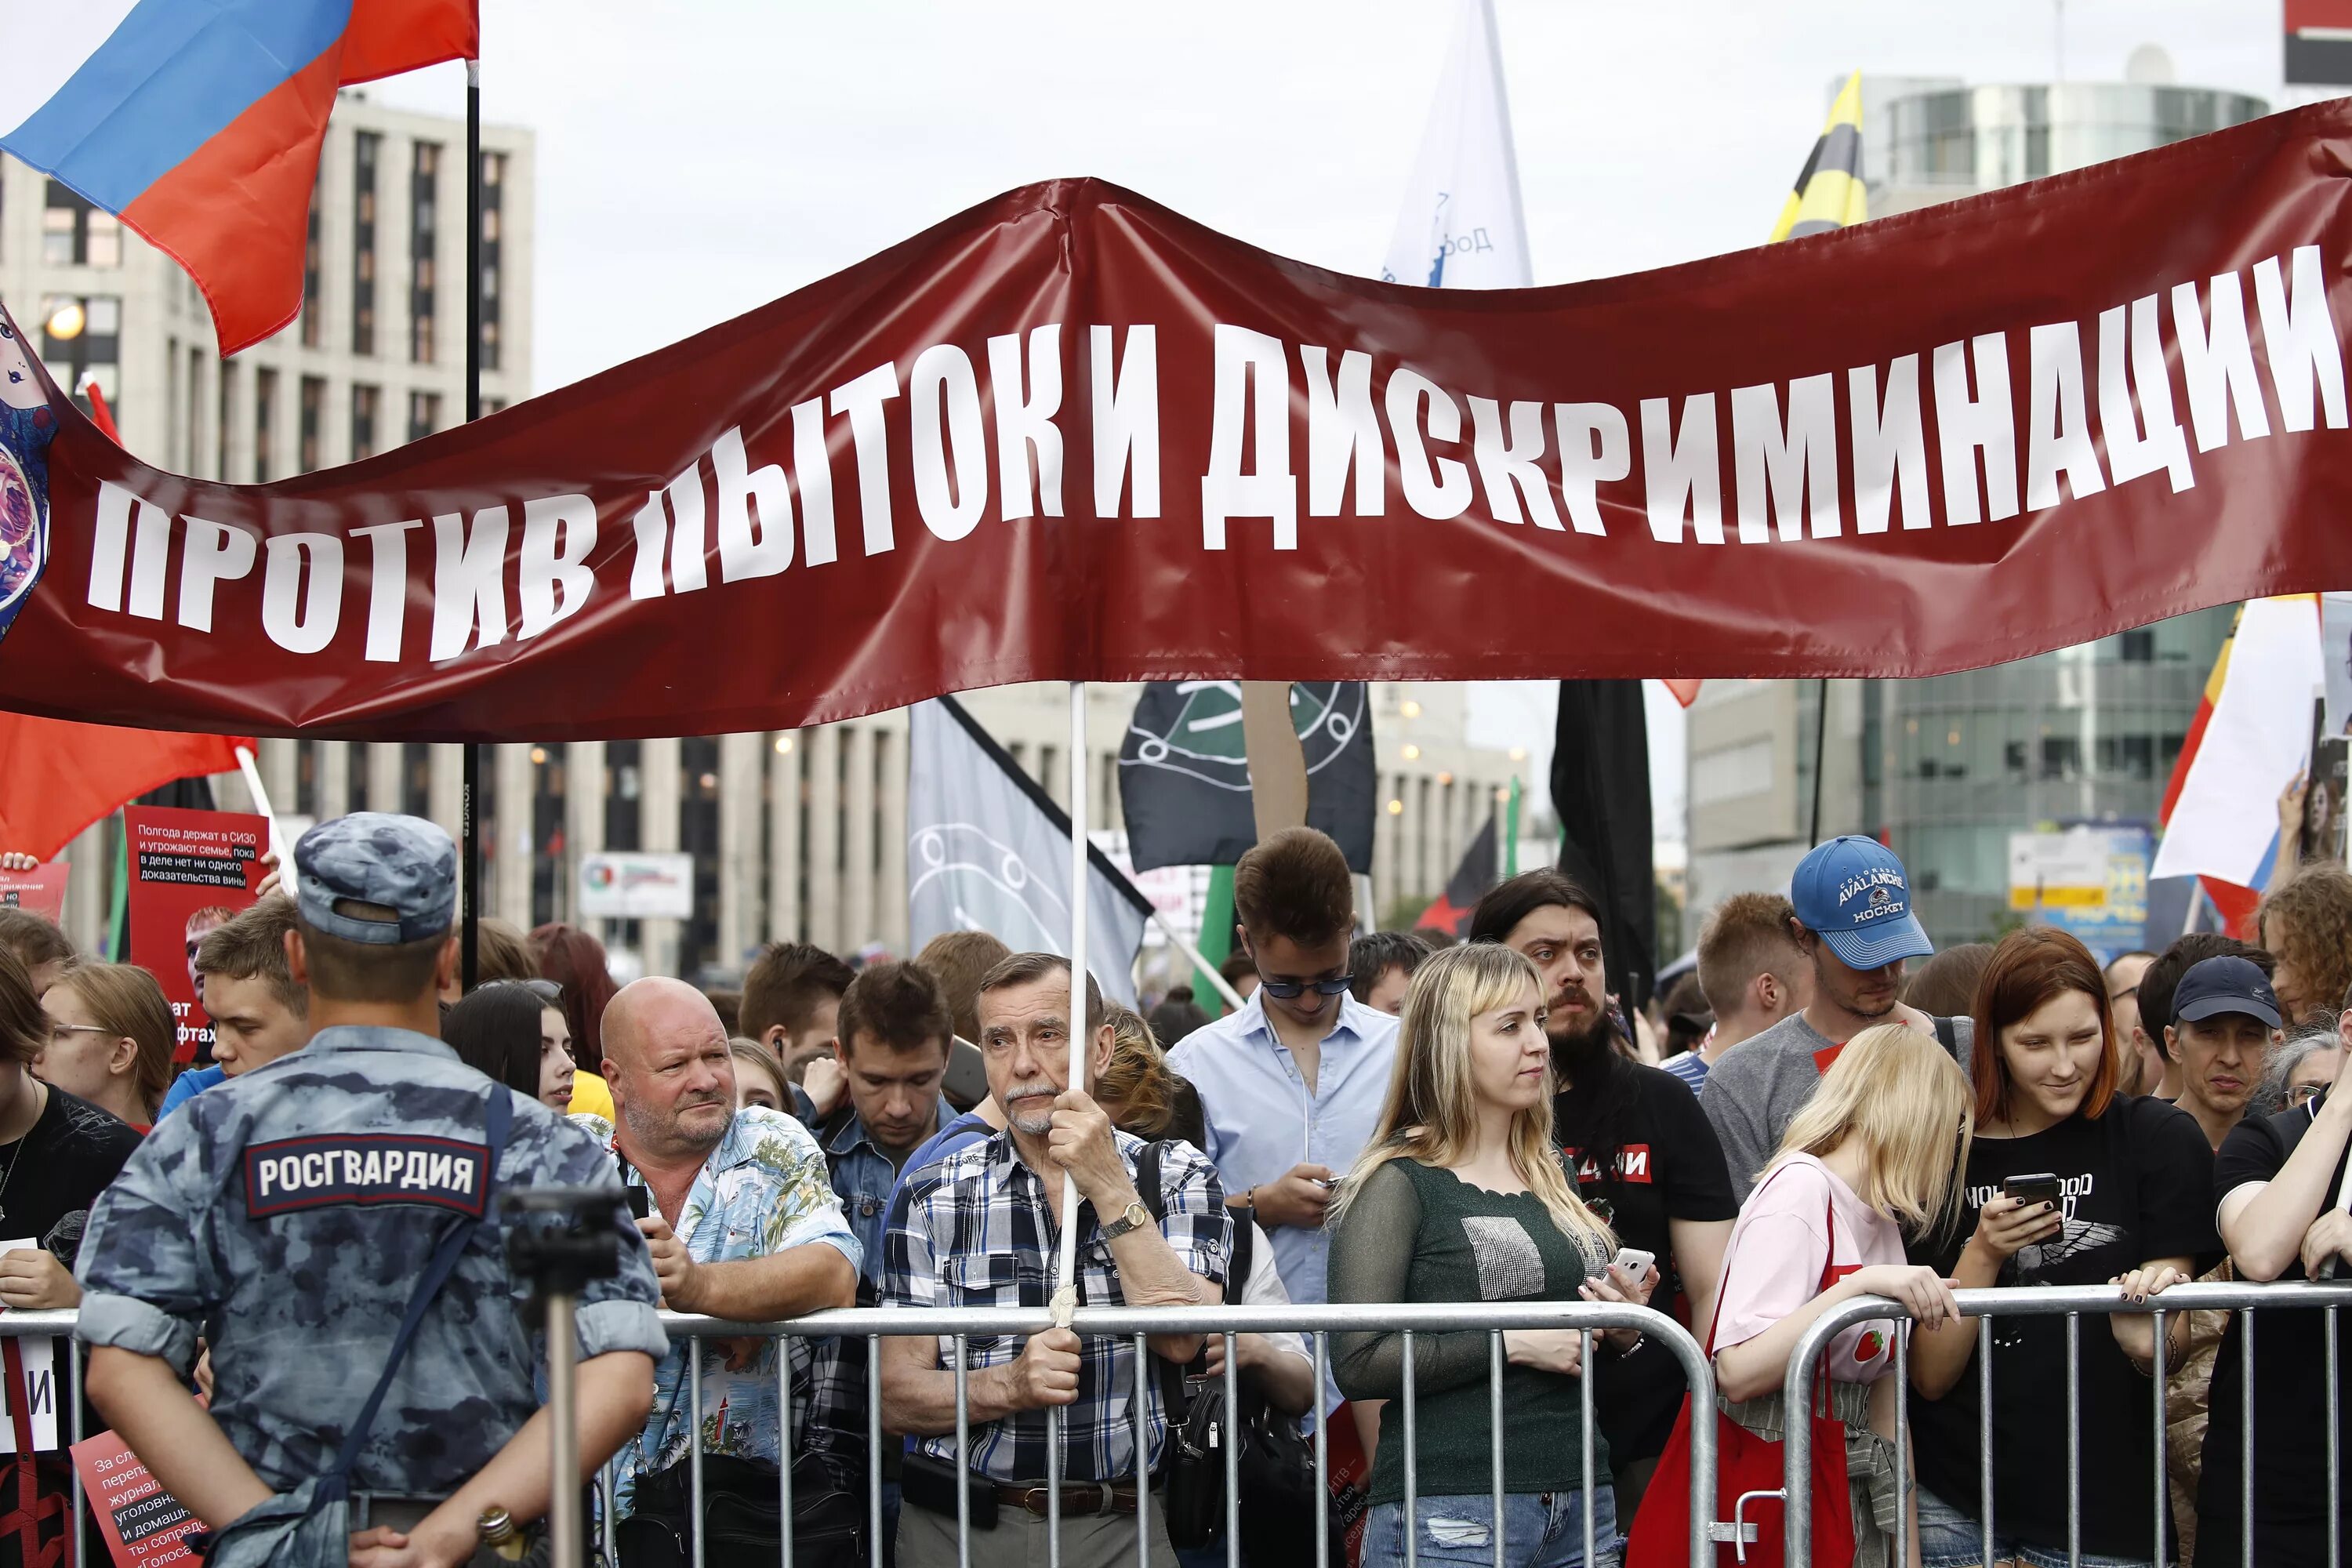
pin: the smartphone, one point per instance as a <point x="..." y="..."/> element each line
<point x="1632" y="1260"/>
<point x="2029" y="1190"/>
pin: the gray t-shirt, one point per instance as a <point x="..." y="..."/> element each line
<point x="1758" y="1087"/>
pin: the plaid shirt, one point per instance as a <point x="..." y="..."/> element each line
<point x="977" y="1232"/>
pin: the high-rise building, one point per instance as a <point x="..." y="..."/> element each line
<point x="1944" y="769"/>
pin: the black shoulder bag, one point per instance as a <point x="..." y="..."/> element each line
<point x="1275" y="1465"/>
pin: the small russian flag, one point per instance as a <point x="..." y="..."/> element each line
<point x="198" y="122"/>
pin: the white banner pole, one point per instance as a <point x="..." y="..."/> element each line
<point x="1065" y="1295"/>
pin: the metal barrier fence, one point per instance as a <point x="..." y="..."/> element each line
<point x="2072" y="1301"/>
<point x="1135" y="1324"/>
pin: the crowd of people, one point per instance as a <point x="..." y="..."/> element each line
<point x="1824" y="1109"/>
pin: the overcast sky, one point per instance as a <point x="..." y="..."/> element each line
<point x="702" y="157"/>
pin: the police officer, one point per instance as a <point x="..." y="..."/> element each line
<point x="290" y="1215"/>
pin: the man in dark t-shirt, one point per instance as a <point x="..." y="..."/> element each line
<point x="1644" y="1156"/>
<point x="2282" y="1184"/>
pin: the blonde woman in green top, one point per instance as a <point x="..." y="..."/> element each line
<point x="1460" y="1197"/>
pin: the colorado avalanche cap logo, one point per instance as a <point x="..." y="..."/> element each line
<point x="27" y="427"/>
<point x="1881" y="895"/>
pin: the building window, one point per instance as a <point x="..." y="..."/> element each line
<point x="265" y="422"/>
<point x="1732" y="773"/>
<point x="366" y="402"/>
<point x="225" y="411"/>
<point x="81" y="342"/>
<point x="76" y="234"/>
<point x="423" y="414"/>
<point x="195" y="405"/>
<point x="622" y="787"/>
<point x="697" y="833"/>
<point x="365" y="146"/>
<point x="2137" y="647"/>
<point x="424" y="239"/>
<point x="310" y="268"/>
<point x="314" y="419"/>
<point x="494" y="170"/>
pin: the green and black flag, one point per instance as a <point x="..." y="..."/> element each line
<point x="1183" y="771"/>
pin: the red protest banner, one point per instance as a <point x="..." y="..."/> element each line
<point x="1069" y="434"/>
<point x="190" y="871"/>
<point x="142" y="1523"/>
<point x="41" y="890"/>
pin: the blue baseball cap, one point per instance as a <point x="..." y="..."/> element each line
<point x="2225" y="984"/>
<point x="1852" y="893"/>
<point x="402" y="864"/>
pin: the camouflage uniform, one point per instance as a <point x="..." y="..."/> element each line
<point x="287" y="1214"/>
<point x="300" y="1300"/>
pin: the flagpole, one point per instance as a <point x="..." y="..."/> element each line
<point x="470" y="785"/>
<point x="1201" y="966"/>
<point x="1079" y="876"/>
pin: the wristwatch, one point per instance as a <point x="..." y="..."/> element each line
<point x="1134" y="1217"/>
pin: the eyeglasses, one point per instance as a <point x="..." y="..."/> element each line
<point x="2301" y="1093"/>
<point x="57" y="1032"/>
<point x="1287" y="989"/>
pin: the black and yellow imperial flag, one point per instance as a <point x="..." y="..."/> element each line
<point x="1829" y="192"/>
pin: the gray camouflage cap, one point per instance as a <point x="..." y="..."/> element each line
<point x="402" y="863"/>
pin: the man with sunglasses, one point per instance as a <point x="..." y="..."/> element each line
<point x="1291" y="1085"/>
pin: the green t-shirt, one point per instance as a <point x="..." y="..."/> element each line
<point x="1414" y="1234"/>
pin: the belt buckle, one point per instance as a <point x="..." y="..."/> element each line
<point x="1037" y="1500"/>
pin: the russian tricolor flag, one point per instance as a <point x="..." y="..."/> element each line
<point x="198" y="122"/>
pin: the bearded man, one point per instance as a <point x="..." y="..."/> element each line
<point x="1642" y="1153"/>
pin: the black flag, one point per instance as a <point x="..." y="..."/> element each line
<point x="1600" y="790"/>
<point x="1477" y="872"/>
<point x="1183" y="773"/>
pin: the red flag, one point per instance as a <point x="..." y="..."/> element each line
<point x="56" y="778"/>
<point x="1684" y="691"/>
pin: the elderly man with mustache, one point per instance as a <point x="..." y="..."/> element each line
<point x="743" y="1224"/>
<point x="979" y="1228"/>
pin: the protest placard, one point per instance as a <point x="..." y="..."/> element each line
<point x="142" y="1523"/>
<point x="190" y="871"/>
<point x="41" y="890"/>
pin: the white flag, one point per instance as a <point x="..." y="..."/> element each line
<point x="1461" y="227"/>
<point x="989" y="850"/>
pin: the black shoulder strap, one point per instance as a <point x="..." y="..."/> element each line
<point x="1948" y="1034"/>
<point x="428" y="1285"/>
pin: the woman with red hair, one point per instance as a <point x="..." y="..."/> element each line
<point x="2068" y="1183"/>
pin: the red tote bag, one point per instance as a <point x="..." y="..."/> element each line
<point x="1745" y="1463"/>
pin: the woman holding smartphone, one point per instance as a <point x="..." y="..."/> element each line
<point x="1460" y="1197"/>
<point x="2068" y="1183"/>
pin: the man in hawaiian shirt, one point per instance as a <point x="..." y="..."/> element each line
<point x="742" y="1225"/>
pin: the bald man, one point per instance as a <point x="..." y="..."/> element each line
<point x="743" y="1224"/>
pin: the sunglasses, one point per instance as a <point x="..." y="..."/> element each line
<point x="1287" y="989"/>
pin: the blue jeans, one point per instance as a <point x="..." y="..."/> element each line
<point x="1951" y="1538"/>
<point x="1541" y="1529"/>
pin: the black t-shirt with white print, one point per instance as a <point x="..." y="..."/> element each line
<point x="2135" y="1185"/>
<point x="1669" y="1167"/>
<point x="2289" y="1383"/>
